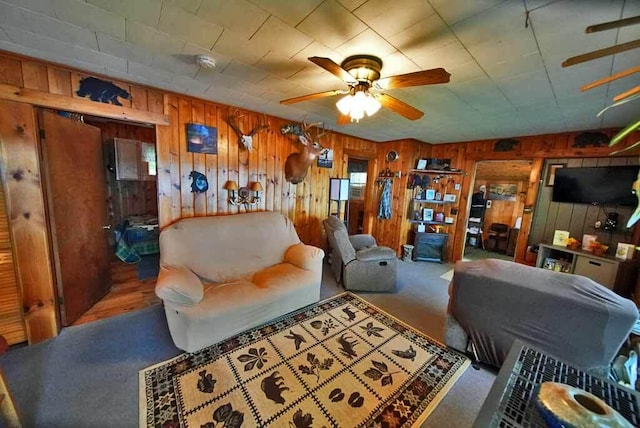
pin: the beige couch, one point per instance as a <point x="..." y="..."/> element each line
<point x="222" y="275"/>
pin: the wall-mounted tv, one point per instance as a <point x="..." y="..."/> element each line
<point x="609" y="185"/>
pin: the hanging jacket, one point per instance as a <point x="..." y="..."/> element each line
<point x="384" y="210"/>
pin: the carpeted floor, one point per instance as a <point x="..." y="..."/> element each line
<point x="88" y="375"/>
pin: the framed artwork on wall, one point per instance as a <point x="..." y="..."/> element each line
<point x="202" y="139"/>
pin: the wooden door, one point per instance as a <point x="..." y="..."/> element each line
<point x="77" y="196"/>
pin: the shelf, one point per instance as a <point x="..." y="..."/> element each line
<point x="433" y="201"/>
<point x="435" y="171"/>
<point x="431" y="222"/>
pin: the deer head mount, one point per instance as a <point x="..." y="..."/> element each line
<point x="246" y="140"/>
<point x="297" y="164"/>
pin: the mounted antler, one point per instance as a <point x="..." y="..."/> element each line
<point x="297" y="164"/>
<point x="246" y="139"/>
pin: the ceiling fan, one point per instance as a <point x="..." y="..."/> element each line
<point x="362" y="74"/>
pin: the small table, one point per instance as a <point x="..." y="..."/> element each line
<point x="510" y="401"/>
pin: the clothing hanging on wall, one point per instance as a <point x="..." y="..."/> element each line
<point x="384" y="210"/>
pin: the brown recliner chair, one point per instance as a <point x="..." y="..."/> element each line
<point x="357" y="261"/>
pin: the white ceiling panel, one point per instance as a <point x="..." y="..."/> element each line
<point x="145" y="11"/>
<point x="331" y="24"/>
<point x="291" y="12"/>
<point x="428" y="34"/>
<point x="366" y="42"/>
<point x="239" y="16"/>
<point x="188" y="27"/>
<point x="124" y="50"/>
<point x="507" y="79"/>
<point x="89" y="16"/>
<point x="152" y="39"/>
<point x="281" y="38"/>
<point x="387" y="19"/>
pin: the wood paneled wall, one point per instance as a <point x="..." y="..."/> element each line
<point x="579" y="219"/>
<point x="502" y="211"/>
<point x="537" y="148"/>
<point x="126" y="197"/>
<point x="37" y="83"/>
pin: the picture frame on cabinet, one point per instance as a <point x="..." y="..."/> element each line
<point x="430" y="194"/>
<point x="427" y="214"/>
<point x="422" y="164"/>
<point x="449" y="197"/>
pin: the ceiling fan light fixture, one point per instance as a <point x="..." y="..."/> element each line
<point x="355" y="106"/>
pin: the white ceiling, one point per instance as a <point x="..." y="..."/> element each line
<point x="506" y="81"/>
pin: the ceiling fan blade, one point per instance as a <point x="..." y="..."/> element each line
<point x="400" y="107"/>
<point x="333" y="68"/>
<point x="313" y="96"/>
<point x="344" y="119"/>
<point x="419" y="78"/>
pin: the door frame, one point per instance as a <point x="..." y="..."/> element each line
<point x="529" y="203"/>
<point x="370" y="188"/>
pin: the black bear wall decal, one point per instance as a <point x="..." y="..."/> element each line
<point x="506" y="145"/>
<point x="200" y="183"/>
<point x="595" y="139"/>
<point x="101" y="90"/>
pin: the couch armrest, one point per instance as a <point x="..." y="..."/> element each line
<point x="305" y="257"/>
<point x="179" y="285"/>
<point x="362" y="241"/>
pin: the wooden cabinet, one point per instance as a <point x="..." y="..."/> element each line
<point x="617" y="275"/>
<point x="135" y="160"/>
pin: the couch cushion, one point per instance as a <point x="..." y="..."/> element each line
<point x="282" y="276"/>
<point x="226" y="248"/>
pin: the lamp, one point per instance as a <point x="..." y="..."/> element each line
<point x="339" y="192"/>
<point x="243" y="195"/>
<point x="357" y="103"/>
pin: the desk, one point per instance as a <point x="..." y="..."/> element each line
<point x="510" y="403"/>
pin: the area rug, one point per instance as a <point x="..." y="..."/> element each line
<point x="341" y="362"/>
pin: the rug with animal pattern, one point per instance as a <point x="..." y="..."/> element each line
<point x="341" y="362"/>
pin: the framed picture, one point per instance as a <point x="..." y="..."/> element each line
<point x="503" y="192"/>
<point x="325" y="160"/>
<point x="551" y="172"/>
<point x="438" y="196"/>
<point x="202" y="139"/>
<point x="422" y="164"/>
<point x="430" y="194"/>
<point x="427" y="214"/>
<point x="449" y="198"/>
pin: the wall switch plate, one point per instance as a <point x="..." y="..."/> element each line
<point x="456" y="186"/>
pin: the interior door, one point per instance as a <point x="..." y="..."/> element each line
<point x="77" y="201"/>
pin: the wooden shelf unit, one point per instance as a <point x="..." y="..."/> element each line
<point x="431" y="244"/>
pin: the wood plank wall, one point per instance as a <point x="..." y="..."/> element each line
<point x="126" y="197"/>
<point x="536" y="148"/>
<point x="502" y="211"/>
<point x="306" y="203"/>
<point x="578" y="219"/>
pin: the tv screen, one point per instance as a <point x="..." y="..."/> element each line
<point x="609" y="185"/>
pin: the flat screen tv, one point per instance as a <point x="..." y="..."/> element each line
<point x="609" y="185"/>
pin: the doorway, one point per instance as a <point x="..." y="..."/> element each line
<point x="126" y="207"/>
<point x="496" y="209"/>
<point x="357" y="169"/>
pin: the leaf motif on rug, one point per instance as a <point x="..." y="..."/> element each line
<point x="255" y="357"/>
<point x="371" y="330"/>
<point x="316" y="366"/>
<point x="206" y="382"/>
<point x="225" y="417"/>
<point x="273" y="387"/>
<point x="380" y="372"/>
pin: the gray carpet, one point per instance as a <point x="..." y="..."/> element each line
<point x="88" y="375"/>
